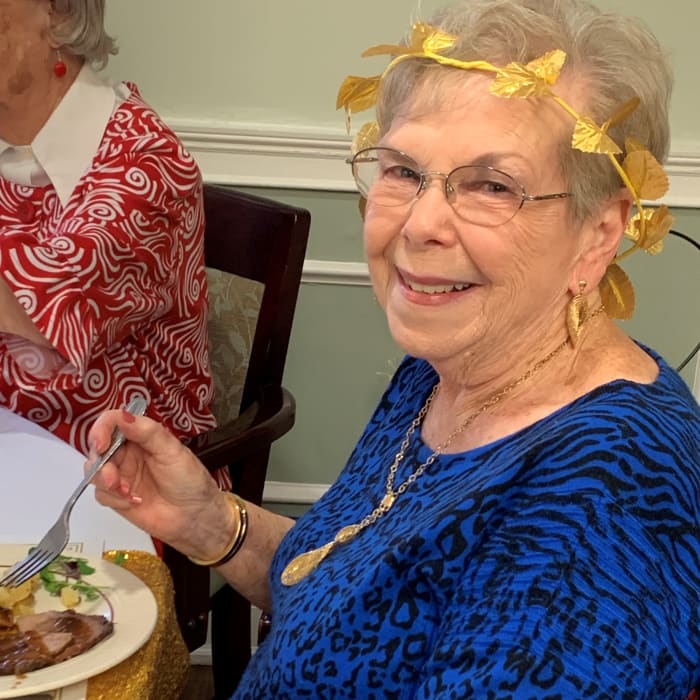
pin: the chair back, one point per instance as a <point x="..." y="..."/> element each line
<point x="254" y="251"/>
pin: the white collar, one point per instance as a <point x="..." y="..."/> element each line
<point x="66" y="144"/>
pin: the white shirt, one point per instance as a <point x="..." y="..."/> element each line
<point x="63" y="149"/>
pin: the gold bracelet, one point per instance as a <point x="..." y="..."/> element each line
<point x="237" y="537"/>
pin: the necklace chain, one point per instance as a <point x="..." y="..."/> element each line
<point x="302" y="565"/>
<point x="392" y="494"/>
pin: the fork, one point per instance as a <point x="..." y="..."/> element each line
<point x="56" y="539"/>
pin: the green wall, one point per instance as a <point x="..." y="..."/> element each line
<point x="282" y="62"/>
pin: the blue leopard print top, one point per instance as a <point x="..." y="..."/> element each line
<point x="560" y="562"/>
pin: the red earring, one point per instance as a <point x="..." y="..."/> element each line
<point x="59" y="68"/>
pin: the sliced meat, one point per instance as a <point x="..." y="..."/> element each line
<point x="55" y="642"/>
<point x="44" y="639"/>
<point x="22" y="652"/>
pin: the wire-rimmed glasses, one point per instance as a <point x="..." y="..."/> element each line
<point x="480" y="194"/>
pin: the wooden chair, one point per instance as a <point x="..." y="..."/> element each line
<point x="254" y="253"/>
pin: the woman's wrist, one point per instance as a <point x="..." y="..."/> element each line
<point x="238" y="530"/>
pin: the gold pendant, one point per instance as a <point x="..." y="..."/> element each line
<point x="387" y="501"/>
<point x="576" y="314"/>
<point x="303" y="564"/>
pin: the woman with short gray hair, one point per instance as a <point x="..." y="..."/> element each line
<point x="521" y="516"/>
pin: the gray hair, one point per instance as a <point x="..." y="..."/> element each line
<point x="80" y="29"/>
<point x="615" y="58"/>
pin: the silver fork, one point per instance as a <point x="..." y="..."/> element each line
<point x="56" y="539"/>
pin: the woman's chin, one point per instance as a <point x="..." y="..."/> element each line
<point x="428" y="341"/>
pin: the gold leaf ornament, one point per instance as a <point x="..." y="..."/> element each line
<point x="437" y="42"/>
<point x="418" y="35"/>
<point x="357" y="94"/>
<point x="367" y="136"/>
<point x="617" y="293"/>
<point x="590" y="138"/>
<point x="645" y="173"/>
<point x="622" y="114"/>
<point x="631" y="144"/>
<point x="650" y="237"/>
<point x="548" y="67"/>
<point x="386" y="50"/>
<point x="531" y="80"/>
<point x="657" y="229"/>
<point x="636" y="227"/>
<point x="424" y="39"/>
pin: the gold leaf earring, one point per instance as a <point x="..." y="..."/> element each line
<point x="577" y="313"/>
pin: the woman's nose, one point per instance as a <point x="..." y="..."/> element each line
<point x="430" y="218"/>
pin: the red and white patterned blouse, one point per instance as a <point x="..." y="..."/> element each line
<point x="111" y="271"/>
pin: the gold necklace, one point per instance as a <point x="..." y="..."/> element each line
<point x="303" y="564"/>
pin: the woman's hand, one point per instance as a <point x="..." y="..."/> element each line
<point x="156" y="483"/>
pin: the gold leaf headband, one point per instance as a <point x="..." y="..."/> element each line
<point x="640" y="172"/>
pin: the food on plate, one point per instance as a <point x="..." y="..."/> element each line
<point x="47" y="638"/>
<point x="7" y="620"/>
<point x="69" y="597"/>
<point x="63" y="577"/>
<point x="31" y="640"/>
<point x="19" y="600"/>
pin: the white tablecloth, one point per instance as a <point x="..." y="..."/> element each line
<point x="38" y="473"/>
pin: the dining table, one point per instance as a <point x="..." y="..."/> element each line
<point x="39" y="472"/>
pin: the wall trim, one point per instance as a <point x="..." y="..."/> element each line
<point x="249" y="154"/>
<point x="351" y="274"/>
<point x="246" y="154"/>
<point x="293" y="492"/>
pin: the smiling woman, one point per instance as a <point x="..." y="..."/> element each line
<point x="520" y="517"/>
<point x="102" y="283"/>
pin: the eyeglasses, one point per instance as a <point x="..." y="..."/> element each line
<point x="479" y="194"/>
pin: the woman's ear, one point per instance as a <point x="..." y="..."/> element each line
<point x="601" y="235"/>
<point x="56" y="17"/>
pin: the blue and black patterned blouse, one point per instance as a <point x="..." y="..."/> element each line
<point x="560" y="562"/>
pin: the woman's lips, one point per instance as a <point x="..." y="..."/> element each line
<point x="432" y="285"/>
<point x="431" y="289"/>
<point x="436" y="288"/>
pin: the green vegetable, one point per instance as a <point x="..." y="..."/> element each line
<point x="67" y="571"/>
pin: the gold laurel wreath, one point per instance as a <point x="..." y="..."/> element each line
<point x="640" y="171"/>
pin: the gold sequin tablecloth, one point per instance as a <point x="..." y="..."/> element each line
<point x="159" y="669"/>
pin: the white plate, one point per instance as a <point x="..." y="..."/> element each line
<point x="129" y="604"/>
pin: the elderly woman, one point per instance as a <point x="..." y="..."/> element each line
<point x="520" y="517"/>
<point x="102" y="283"/>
